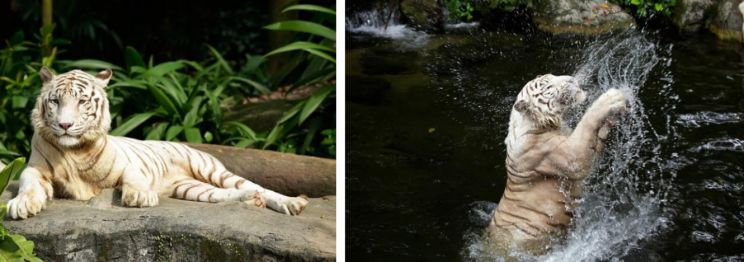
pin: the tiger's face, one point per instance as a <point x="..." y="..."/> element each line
<point x="72" y="109"/>
<point x="545" y="98"/>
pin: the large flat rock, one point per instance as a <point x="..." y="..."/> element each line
<point x="176" y="230"/>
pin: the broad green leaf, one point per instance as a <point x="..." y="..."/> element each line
<point x="133" y="58"/>
<point x="291" y="112"/>
<point x="132" y="123"/>
<point x="193" y="135"/>
<point x="9" y="172"/>
<point x="313" y="76"/>
<point x="244" y="129"/>
<point x="261" y="88"/>
<point x="306" y="46"/>
<point x="139" y="84"/>
<point x="92" y="64"/>
<point x="635" y="2"/>
<point x="164" y="101"/>
<point x="172" y="132"/>
<point x="47" y="30"/>
<point x="221" y="60"/>
<point x="304" y="27"/>
<point x="314" y="126"/>
<point x="164" y="68"/>
<point x="310" y="8"/>
<point x="17" y="38"/>
<point x="273" y="135"/>
<point x="658" y="6"/>
<point x="314" y="101"/>
<point x="157" y="132"/>
<point x="320" y="54"/>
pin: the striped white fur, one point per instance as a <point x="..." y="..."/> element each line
<point x="73" y="156"/>
<point x="545" y="168"/>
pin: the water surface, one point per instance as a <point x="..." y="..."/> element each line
<point x="425" y="151"/>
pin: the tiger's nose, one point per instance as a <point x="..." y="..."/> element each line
<point x="65" y="126"/>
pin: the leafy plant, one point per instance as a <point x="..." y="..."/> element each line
<point x="19" y="61"/>
<point x="459" y="10"/>
<point x="301" y="122"/>
<point x="13" y="247"/>
<point x="184" y="100"/>
<point x="645" y="8"/>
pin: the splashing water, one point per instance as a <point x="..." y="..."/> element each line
<point x="619" y="210"/>
<point x="621" y="205"/>
<point x="373" y="23"/>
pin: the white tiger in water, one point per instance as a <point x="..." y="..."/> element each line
<point x="73" y="156"/>
<point x="545" y="167"/>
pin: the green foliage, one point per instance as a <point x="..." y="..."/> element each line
<point x="13" y="247"/>
<point x="645" y="8"/>
<point x="463" y="10"/>
<point x="297" y="129"/>
<point x="459" y="10"/>
<point x="19" y="79"/>
<point x="184" y="100"/>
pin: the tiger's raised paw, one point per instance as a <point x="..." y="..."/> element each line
<point x="25" y="205"/>
<point x="145" y="198"/>
<point x="612" y="99"/>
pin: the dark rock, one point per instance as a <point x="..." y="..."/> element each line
<point x="726" y="21"/>
<point x="580" y="16"/>
<point x="424" y="15"/>
<point x="365" y="90"/>
<point x="176" y="230"/>
<point x="690" y="15"/>
<point x="288" y="174"/>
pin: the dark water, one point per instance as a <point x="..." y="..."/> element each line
<point x="426" y="120"/>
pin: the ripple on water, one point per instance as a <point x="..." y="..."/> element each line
<point x="734" y="145"/>
<point x="708" y="118"/>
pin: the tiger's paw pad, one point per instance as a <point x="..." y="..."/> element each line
<point x="145" y="198"/>
<point x="24" y="206"/>
<point x="255" y="199"/>
<point x="293" y="206"/>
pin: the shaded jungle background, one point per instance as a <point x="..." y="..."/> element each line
<point x="257" y="74"/>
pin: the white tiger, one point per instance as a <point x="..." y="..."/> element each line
<point x="73" y="156"/>
<point x="546" y="168"/>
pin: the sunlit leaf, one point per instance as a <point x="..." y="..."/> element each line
<point x="310" y="8"/>
<point x="132" y="123"/>
<point x="314" y="101"/>
<point x="304" y="27"/>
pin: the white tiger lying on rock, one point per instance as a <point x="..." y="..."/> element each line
<point x="73" y="156"/>
<point x="546" y="168"/>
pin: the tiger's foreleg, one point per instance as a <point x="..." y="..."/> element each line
<point x="32" y="195"/>
<point x="136" y="189"/>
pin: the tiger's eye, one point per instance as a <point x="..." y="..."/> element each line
<point x="82" y="102"/>
<point x="55" y="101"/>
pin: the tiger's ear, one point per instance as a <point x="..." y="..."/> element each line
<point x="104" y="76"/>
<point x="46" y="74"/>
<point x="521" y="106"/>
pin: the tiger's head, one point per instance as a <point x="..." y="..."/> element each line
<point x="72" y="108"/>
<point x="545" y="98"/>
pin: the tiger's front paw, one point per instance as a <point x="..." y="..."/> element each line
<point x="613" y="100"/>
<point x="25" y="205"/>
<point x="143" y="198"/>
